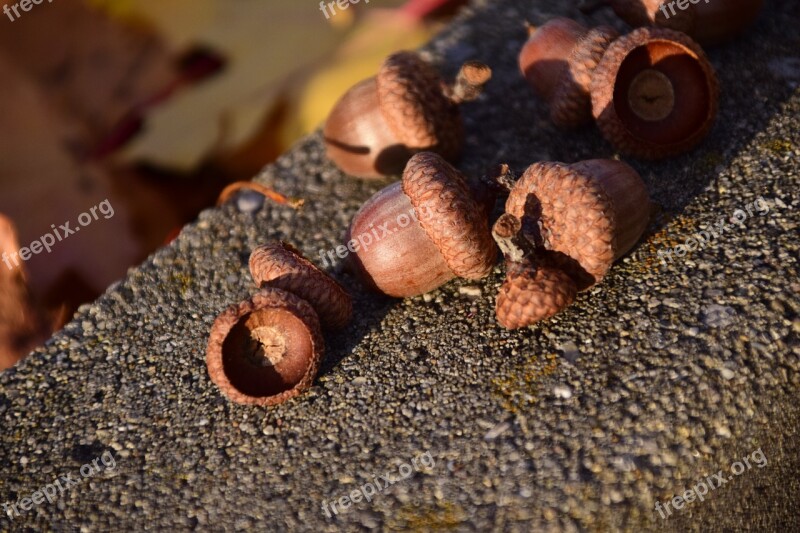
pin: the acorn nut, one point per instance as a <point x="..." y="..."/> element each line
<point x="708" y="22"/>
<point x="406" y="108"/>
<point x="265" y="350"/>
<point x="558" y="60"/>
<point x="586" y="214"/>
<point x="415" y="235"/>
<point x="281" y="265"/>
<point x="654" y="93"/>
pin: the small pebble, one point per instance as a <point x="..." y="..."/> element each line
<point x="471" y="291"/>
<point x="249" y="202"/>
<point x="562" y="392"/>
<point x="496" y="431"/>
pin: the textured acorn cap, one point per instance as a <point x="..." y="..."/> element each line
<point x="571" y="104"/>
<point x="571" y="214"/>
<point x="449" y="214"/>
<point x="281" y="265"/>
<point x="265" y="350"/>
<point x="654" y="93"/>
<point x="528" y="296"/>
<point x="414" y="104"/>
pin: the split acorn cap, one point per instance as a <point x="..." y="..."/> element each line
<point x="266" y="349"/>
<point x="281" y="265"/>
<point x="654" y="93"/>
<point x="447" y="236"/>
<point x="534" y="288"/>
<point x="406" y="108"/>
<point x="530" y="295"/>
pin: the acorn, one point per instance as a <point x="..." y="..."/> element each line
<point x="417" y="234"/>
<point x="586" y="215"/>
<point x="281" y="265"/>
<point x="534" y="288"/>
<point x="707" y="22"/>
<point x="406" y="108"/>
<point x="265" y="350"/>
<point x="558" y="60"/>
<point x="654" y="93"/>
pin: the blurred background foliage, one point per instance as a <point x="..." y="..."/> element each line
<point x="157" y="105"/>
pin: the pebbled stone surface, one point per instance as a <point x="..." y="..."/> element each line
<point x="653" y="380"/>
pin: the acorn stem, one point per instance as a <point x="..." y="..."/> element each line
<point x="590" y="6"/>
<point x="469" y="82"/>
<point x="530" y="27"/>
<point x="517" y="248"/>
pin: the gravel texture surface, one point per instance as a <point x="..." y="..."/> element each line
<point x="652" y="381"/>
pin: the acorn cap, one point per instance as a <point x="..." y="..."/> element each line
<point x="654" y="93"/>
<point x="281" y="265"/>
<point x="574" y="217"/>
<point x="452" y="219"/>
<point x="414" y="104"/>
<point x="571" y="104"/>
<point x="265" y="350"/>
<point x="528" y="296"/>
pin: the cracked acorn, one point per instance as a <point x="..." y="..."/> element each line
<point x="406" y="108"/>
<point x="445" y="233"/>
<point x="268" y="349"/>
<point x="564" y="226"/>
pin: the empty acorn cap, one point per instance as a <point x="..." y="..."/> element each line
<point x="413" y="102"/>
<point x="528" y="296"/>
<point x="265" y="350"/>
<point x="281" y="265"/>
<point x="451" y="217"/>
<point x="654" y="93"/>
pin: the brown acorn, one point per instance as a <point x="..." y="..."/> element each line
<point x="708" y="22"/>
<point x="558" y="60"/>
<point x="534" y="288"/>
<point x="586" y="214"/>
<point x="406" y="108"/>
<point x="415" y="235"/>
<point x="282" y="266"/>
<point x="654" y="93"/>
<point x="265" y="350"/>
